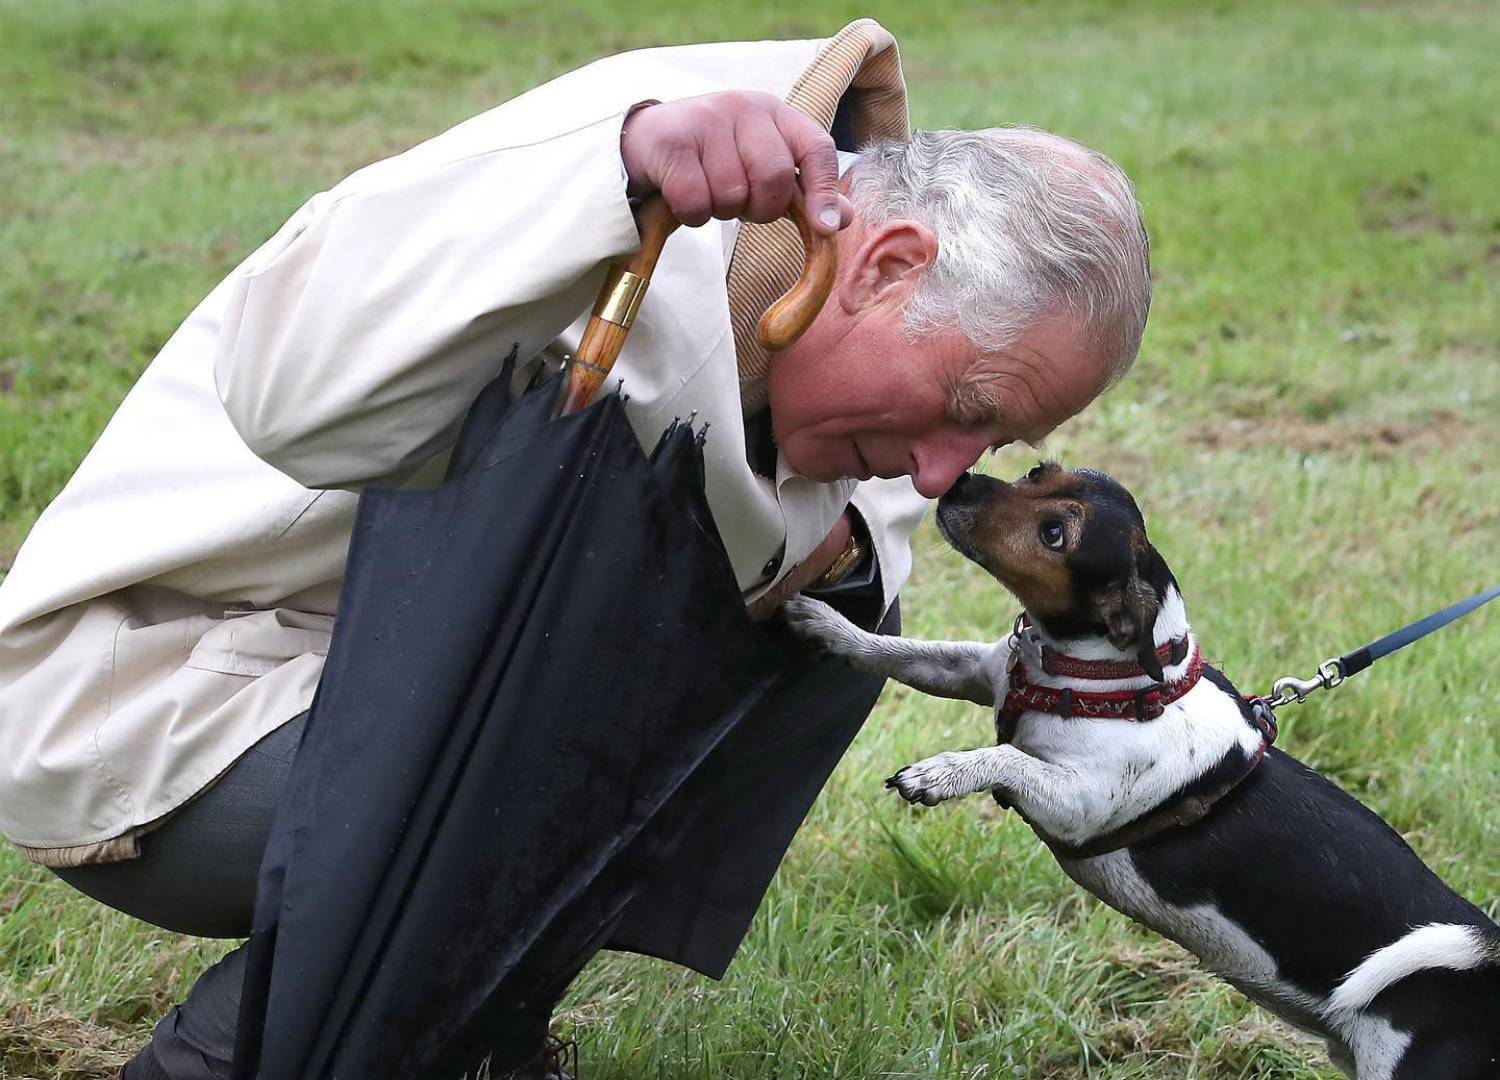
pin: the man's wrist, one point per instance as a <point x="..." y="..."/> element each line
<point x="635" y="187"/>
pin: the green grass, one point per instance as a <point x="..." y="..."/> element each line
<point x="1311" y="430"/>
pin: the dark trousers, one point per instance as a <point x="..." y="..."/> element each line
<point x="197" y="873"/>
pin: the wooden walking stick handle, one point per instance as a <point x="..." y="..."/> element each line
<point x="625" y="285"/>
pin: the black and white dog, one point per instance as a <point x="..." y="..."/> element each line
<point x="1153" y="782"/>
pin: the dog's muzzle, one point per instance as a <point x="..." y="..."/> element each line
<point x="958" y="506"/>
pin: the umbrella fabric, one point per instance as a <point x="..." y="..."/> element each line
<point x="529" y="661"/>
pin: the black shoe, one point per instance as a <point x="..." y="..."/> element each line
<point x="552" y="1062"/>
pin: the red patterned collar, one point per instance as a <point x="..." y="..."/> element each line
<point x="1141" y="705"/>
<point x="1169" y="654"/>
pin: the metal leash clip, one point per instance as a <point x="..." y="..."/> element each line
<point x="1289" y="688"/>
<point x="1335" y="670"/>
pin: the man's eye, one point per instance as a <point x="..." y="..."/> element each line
<point x="1051" y="534"/>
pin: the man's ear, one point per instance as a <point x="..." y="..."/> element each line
<point x="1129" y="610"/>
<point x="887" y="263"/>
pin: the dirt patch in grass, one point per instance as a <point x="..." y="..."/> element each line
<point x="1469" y="349"/>
<point x="1381" y="440"/>
<point x="1404" y="206"/>
<point x="1415" y="222"/>
<point x="82" y="149"/>
<point x="52" y="1044"/>
<point x="329" y="70"/>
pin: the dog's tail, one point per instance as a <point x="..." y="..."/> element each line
<point x="1438" y="945"/>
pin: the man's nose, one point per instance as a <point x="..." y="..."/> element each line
<point x="937" y="463"/>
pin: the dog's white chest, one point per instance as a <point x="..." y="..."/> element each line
<point x="1122" y="769"/>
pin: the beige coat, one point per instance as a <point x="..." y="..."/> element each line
<point x="174" y="603"/>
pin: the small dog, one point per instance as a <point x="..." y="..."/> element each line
<point x="1153" y="781"/>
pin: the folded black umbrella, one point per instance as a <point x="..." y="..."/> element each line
<point x="529" y="662"/>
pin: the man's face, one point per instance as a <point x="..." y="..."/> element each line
<point x="855" y="398"/>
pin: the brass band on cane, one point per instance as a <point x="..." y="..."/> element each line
<point x="621" y="298"/>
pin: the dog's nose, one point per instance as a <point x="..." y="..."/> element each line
<point x="970" y="489"/>
<point x="957" y="490"/>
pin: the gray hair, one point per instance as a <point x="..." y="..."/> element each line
<point x="1029" y="224"/>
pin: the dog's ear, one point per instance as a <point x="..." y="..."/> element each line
<point x="1129" y="609"/>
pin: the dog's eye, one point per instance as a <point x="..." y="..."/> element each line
<point x="1051" y="534"/>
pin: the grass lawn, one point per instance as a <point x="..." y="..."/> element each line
<point x="1311" y="430"/>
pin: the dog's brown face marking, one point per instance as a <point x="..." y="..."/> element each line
<point x="1070" y="544"/>
<point x="1021" y="534"/>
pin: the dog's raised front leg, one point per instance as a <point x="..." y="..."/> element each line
<point x="1047" y="795"/>
<point x="967" y="670"/>
<point x="948" y="775"/>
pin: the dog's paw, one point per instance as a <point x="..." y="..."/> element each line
<point x="933" y="780"/>
<point x="816" y="623"/>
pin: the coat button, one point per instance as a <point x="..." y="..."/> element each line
<point x="773" y="564"/>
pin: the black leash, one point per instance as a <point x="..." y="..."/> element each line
<point x="1334" y="671"/>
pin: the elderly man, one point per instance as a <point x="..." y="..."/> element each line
<point x="163" y="629"/>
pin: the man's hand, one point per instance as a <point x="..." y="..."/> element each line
<point x="734" y="154"/>
<point x="805" y="572"/>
